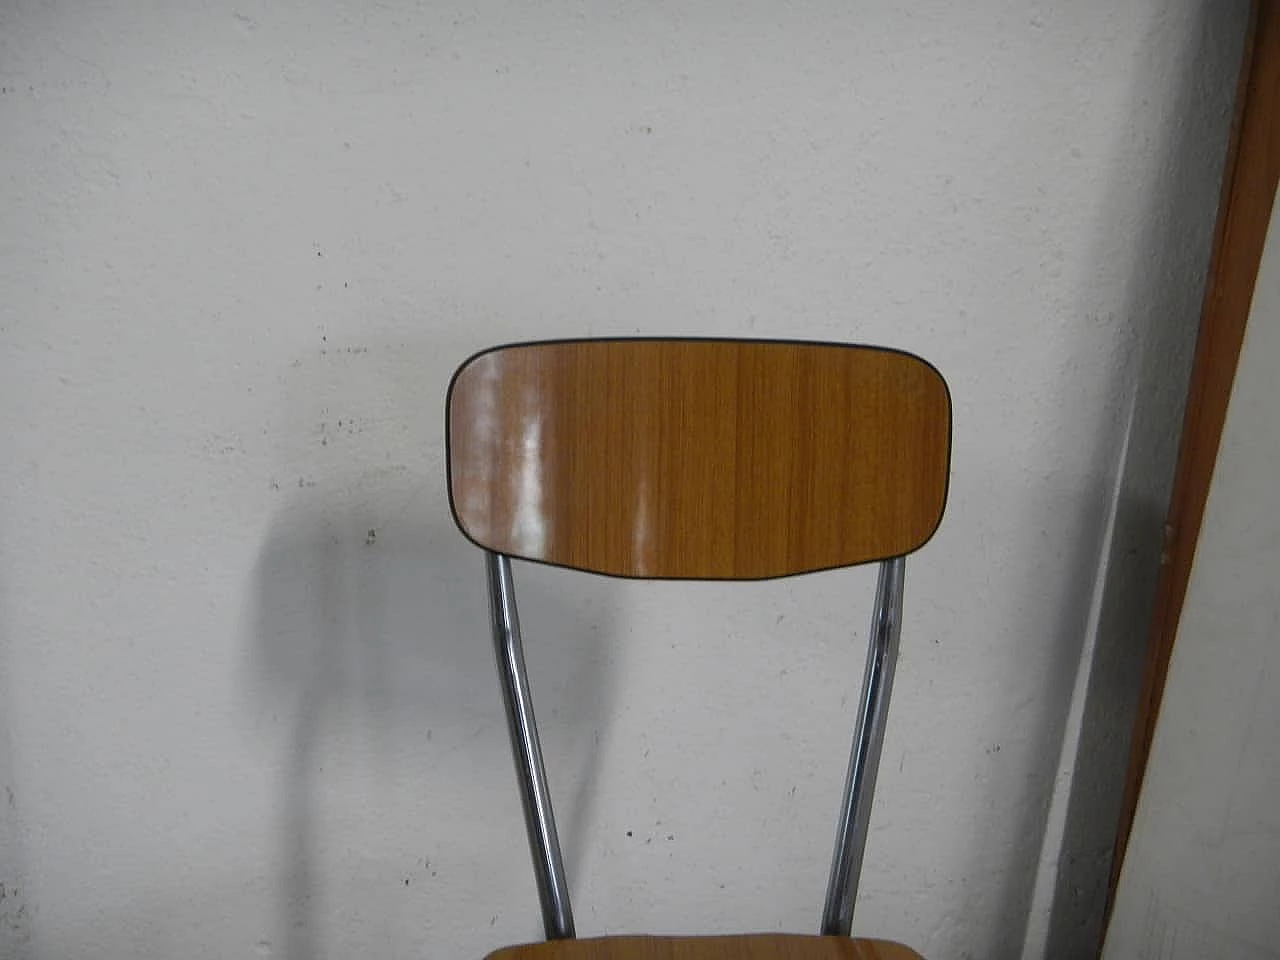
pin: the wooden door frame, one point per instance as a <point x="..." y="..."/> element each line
<point x="1244" y="213"/>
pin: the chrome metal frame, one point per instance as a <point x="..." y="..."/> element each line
<point x="864" y="759"/>
<point x="535" y="796"/>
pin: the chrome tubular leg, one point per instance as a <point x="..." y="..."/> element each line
<point x="860" y="785"/>
<point x="544" y="844"/>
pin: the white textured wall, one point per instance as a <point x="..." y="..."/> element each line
<point x="246" y="697"/>
<point x="1202" y="872"/>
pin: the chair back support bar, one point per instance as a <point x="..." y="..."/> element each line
<point x="535" y="794"/>
<point x="859" y="787"/>
<point x="864" y="758"/>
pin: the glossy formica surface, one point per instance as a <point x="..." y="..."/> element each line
<point x="700" y="459"/>
<point x="751" y="947"/>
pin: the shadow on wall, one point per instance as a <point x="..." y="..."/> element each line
<point x="1121" y="519"/>
<point x="370" y="611"/>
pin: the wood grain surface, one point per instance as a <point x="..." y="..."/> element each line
<point x="698" y="459"/>
<point x="749" y="947"/>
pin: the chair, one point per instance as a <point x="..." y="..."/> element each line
<point x="703" y="460"/>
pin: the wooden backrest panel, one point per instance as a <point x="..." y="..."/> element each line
<point x="698" y="459"/>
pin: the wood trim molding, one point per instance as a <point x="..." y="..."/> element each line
<point x="1248" y="192"/>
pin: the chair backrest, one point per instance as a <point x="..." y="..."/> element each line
<point x="707" y="460"/>
<point x="698" y="459"/>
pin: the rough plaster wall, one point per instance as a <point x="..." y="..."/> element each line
<point x="1202" y="872"/>
<point x="247" y="704"/>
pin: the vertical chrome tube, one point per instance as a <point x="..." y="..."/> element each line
<point x="535" y="796"/>
<point x="864" y="759"/>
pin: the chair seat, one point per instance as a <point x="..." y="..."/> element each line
<point x="747" y="947"/>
